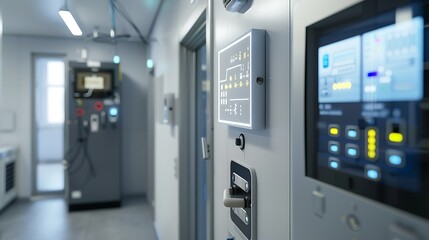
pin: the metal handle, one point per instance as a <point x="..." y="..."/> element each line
<point x="205" y="148"/>
<point x="231" y="202"/>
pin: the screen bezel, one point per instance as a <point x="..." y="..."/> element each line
<point x="356" y="20"/>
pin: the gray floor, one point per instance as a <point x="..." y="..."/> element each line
<point x="49" y="220"/>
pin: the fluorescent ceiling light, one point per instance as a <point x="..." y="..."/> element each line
<point x="70" y="22"/>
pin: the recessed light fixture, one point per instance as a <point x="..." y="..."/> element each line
<point x="70" y="21"/>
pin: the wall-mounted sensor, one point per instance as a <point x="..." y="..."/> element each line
<point x="234" y="5"/>
<point x="167" y="114"/>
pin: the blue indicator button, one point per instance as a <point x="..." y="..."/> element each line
<point x="395" y="160"/>
<point x="372" y="173"/>
<point x="333" y="148"/>
<point x="325" y="61"/>
<point x="352" y="133"/>
<point x="334" y="164"/>
<point x="352" y="152"/>
<point x="113" y="112"/>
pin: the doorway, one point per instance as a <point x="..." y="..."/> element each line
<point x="202" y="116"/>
<point x="195" y="136"/>
<point x="48" y="124"/>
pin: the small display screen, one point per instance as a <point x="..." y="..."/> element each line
<point x="93" y="84"/>
<point x="392" y="69"/>
<point x="367" y="121"/>
<point x="339" y="71"/>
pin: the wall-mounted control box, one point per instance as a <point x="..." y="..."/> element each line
<point x="241" y="82"/>
<point x="240" y="197"/>
<point x="168" y="108"/>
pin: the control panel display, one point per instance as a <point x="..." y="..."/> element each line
<point x="241" y="82"/>
<point x="90" y="84"/>
<point x="339" y="76"/>
<point x="93" y="82"/>
<point x="367" y="121"/>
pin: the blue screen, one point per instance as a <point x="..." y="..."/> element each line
<point x="339" y="71"/>
<point x="393" y="62"/>
<point x="389" y="61"/>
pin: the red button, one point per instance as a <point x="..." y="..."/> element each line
<point x="79" y="112"/>
<point x="98" y="106"/>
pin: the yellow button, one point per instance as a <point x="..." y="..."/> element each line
<point x="371" y="140"/>
<point x="371" y="154"/>
<point x="396" y="137"/>
<point x="371" y="147"/>
<point x="333" y="131"/>
<point x="371" y="133"/>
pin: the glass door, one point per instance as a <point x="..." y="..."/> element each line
<point x="49" y="111"/>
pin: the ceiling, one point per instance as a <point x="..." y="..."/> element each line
<point x="40" y="17"/>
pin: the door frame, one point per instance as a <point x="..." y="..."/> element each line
<point x="199" y="34"/>
<point x="34" y="56"/>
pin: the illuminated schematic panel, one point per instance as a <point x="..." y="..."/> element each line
<point x="241" y="82"/>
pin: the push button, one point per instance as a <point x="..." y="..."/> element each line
<point x="334" y="130"/>
<point x="395" y="158"/>
<point x="334" y="147"/>
<point x="396" y="137"/>
<point x="395" y="131"/>
<point x="334" y="163"/>
<point x="352" y="132"/>
<point x="352" y="150"/>
<point x="372" y="172"/>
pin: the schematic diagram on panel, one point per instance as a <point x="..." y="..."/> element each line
<point x="236" y="69"/>
<point x="235" y="84"/>
<point x="235" y="94"/>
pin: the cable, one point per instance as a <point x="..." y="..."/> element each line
<point x="91" y="165"/>
<point x="79" y="154"/>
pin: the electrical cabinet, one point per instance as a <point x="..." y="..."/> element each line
<point x="93" y="136"/>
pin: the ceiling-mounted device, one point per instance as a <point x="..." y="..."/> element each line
<point x="234" y="5"/>
<point x="106" y="37"/>
<point x="112" y="35"/>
